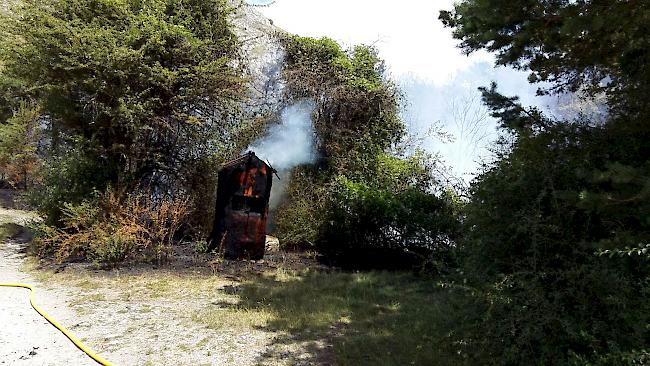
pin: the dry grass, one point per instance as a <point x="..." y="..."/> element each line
<point x="311" y="315"/>
<point x="84" y="299"/>
<point x="371" y="318"/>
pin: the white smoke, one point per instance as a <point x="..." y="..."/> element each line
<point x="288" y="144"/>
<point x="260" y="3"/>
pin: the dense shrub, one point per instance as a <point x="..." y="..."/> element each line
<point x="374" y="227"/>
<point x="558" y="196"/>
<point x="299" y="219"/>
<point x="557" y="224"/>
<point x="114" y="228"/>
<point x="69" y="177"/>
<point x="356" y="203"/>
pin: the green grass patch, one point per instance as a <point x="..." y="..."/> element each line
<point x="370" y="318"/>
<point x="158" y="288"/>
<point x="9" y="230"/>
<point x="88" y="285"/>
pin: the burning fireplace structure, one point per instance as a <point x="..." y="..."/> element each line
<point x="242" y="207"/>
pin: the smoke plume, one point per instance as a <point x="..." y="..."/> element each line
<point x="287" y="144"/>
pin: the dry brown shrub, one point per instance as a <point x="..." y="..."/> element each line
<point x="115" y="228"/>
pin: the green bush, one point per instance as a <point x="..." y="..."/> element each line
<point x="560" y="194"/>
<point x="555" y="317"/>
<point x="383" y="214"/>
<point x="377" y="227"/>
<point x="535" y="230"/>
<point x="364" y="204"/>
<point x="112" y="248"/>
<point x="69" y="177"/>
<point x="132" y="94"/>
<point x="299" y="219"/>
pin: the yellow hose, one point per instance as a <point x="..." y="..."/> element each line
<point x="58" y="326"/>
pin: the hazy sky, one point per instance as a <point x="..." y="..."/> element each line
<point x="407" y="33"/>
<point x="422" y="57"/>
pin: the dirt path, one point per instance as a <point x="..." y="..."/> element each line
<point x="25" y="337"/>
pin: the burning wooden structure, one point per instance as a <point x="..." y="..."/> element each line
<point x="242" y="207"/>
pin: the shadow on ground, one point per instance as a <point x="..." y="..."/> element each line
<point x="316" y="315"/>
<point x="15" y="232"/>
<point x="13" y="199"/>
<point x="371" y="318"/>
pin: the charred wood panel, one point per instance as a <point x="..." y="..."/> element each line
<point x="242" y="206"/>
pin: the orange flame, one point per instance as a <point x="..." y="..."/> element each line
<point x="249" y="182"/>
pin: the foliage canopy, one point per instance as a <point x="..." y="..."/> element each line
<point x="369" y="205"/>
<point x="584" y="44"/>
<point x="559" y="193"/>
<point x="144" y="90"/>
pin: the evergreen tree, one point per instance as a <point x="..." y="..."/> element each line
<point x="142" y="92"/>
<point x="562" y="193"/>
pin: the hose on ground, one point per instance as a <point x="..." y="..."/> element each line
<point x="58" y="326"/>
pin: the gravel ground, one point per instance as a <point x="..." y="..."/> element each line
<point x="142" y="315"/>
<point x="25" y="337"/>
<point x="137" y="316"/>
